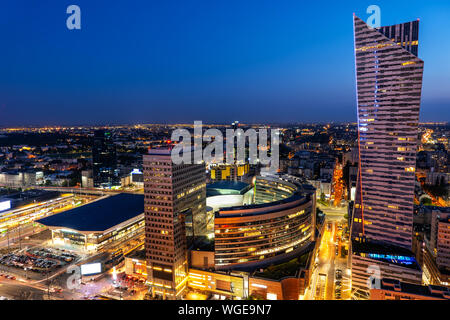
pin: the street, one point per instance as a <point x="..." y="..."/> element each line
<point x="329" y="259"/>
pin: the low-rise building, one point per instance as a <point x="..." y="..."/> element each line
<point x="87" y="180"/>
<point x="392" y="289"/>
<point x="372" y="261"/>
<point x="436" y="249"/>
<point x="99" y="224"/>
<point x="20" y="179"/>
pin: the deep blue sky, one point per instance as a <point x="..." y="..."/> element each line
<point x="212" y="60"/>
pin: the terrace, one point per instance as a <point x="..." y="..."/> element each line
<point x="283" y="270"/>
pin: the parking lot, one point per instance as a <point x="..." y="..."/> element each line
<point x="36" y="262"/>
<point x="338" y="284"/>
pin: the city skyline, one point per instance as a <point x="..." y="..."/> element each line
<point x="186" y="73"/>
<point x="224" y="151"/>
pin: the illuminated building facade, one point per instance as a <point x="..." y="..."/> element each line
<point x="26" y="206"/>
<point x="270" y="189"/>
<point x="440" y="238"/>
<point x="234" y="172"/>
<point x="285" y="229"/>
<point x="389" y="84"/>
<point x="381" y="261"/>
<point x="275" y="228"/>
<point x="436" y="252"/>
<point x="98" y="225"/>
<point x="235" y="285"/>
<point x="174" y="194"/>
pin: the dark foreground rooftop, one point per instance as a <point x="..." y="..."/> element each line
<point x="98" y="215"/>
<point x="404" y="287"/>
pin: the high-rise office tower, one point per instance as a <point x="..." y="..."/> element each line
<point x="174" y="195"/>
<point x="104" y="160"/>
<point x="389" y="84"/>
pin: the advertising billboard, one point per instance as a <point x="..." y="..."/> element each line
<point x="5" y="205"/>
<point x="91" y="268"/>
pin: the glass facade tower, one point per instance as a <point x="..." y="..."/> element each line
<point x="174" y="194"/>
<point x="389" y="84"/>
<point x="104" y="160"/>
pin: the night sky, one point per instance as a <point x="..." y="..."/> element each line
<point x="213" y="60"/>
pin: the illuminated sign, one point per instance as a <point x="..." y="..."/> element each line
<point x="353" y="193"/>
<point x="396" y="259"/>
<point x="5" y="205"/>
<point x="271" y="296"/>
<point x="259" y="285"/>
<point x="91" y="268"/>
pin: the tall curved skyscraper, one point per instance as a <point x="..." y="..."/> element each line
<point x="389" y="84"/>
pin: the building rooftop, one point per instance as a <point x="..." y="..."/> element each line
<point x="227" y="187"/>
<point x="166" y="151"/>
<point x="262" y="208"/>
<point x="410" y="288"/>
<point x="99" y="215"/>
<point x="286" y="269"/>
<point x="203" y="244"/>
<point x="138" y="253"/>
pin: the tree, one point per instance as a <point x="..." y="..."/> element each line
<point x="73" y="182"/>
<point x="426" y="202"/>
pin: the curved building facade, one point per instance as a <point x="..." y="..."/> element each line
<point x="278" y="226"/>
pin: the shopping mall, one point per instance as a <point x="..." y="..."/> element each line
<point x="266" y="224"/>
<point x="270" y="222"/>
<point x="98" y="225"/>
